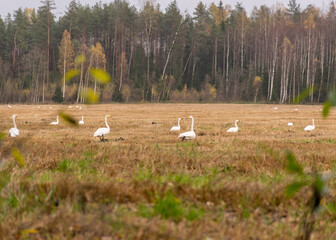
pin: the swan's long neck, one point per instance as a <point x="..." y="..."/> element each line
<point x="192" y="124"/>
<point x="57" y="119"/>
<point x="82" y="118"/>
<point x="313" y="123"/>
<point x="106" y="123"/>
<point x="236" y="124"/>
<point x="14" y="122"/>
<point x="178" y="122"/>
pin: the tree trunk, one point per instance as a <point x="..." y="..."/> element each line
<point x="80" y="81"/>
<point x="48" y="47"/>
<point x="255" y="96"/>
<point x="170" y="49"/>
<point x="64" y="69"/>
<point x="227" y="65"/>
<point x="272" y="70"/>
<point x="322" y="39"/>
<point x="14" y="54"/>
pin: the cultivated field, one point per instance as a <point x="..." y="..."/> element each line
<point x="144" y="183"/>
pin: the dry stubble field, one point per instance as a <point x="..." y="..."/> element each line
<point x="144" y="183"/>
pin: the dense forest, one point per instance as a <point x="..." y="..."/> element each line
<point x="219" y="53"/>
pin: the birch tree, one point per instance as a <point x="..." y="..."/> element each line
<point x="66" y="59"/>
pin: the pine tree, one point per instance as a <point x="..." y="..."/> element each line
<point x="117" y="95"/>
<point x="47" y="7"/>
<point x="58" y="95"/>
<point x="293" y="10"/>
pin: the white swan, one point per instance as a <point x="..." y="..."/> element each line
<point x="290" y="124"/>
<point x="101" y="132"/>
<point x="310" y="128"/>
<point x="81" y="121"/>
<point x="9" y="106"/>
<point x="189" y="135"/>
<point x="14" y="132"/>
<point x="233" y="129"/>
<point x="55" y="123"/>
<point x="176" y="128"/>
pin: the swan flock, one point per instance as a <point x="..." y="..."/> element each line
<point x="188" y="135"/>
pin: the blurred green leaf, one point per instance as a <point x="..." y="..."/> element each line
<point x="4" y="178"/>
<point x="319" y="183"/>
<point x="293" y="188"/>
<point x="67" y="118"/>
<point x="326" y="109"/>
<point x="331" y="208"/>
<point x="71" y="74"/>
<point x="18" y="157"/>
<point x="90" y="97"/>
<point x="304" y="94"/>
<point x="292" y="165"/>
<point x="2" y="137"/>
<point x="26" y="232"/>
<point x="331" y="102"/>
<point x="100" y="75"/>
<point x="80" y="59"/>
<point x="332" y="99"/>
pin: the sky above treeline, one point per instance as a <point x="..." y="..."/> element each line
<point x="184" y="5"/>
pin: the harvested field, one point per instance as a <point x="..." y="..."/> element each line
<point x="144" y="183"/>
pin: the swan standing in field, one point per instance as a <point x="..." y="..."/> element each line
<point x="176" y="128"/>
<point x="9" y="106"/>
<point x="290" y="124"/>
<point x="233" y="129"/>
<point x="189" y="135"/>
<point x="101" y="132"/>
<point x="310" y="128"/>
<point x="14" y="132"/>
<point x="55" y="123"/>
<point x="81" y="121"/>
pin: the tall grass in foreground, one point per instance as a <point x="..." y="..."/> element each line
<point x="152" y="187"/>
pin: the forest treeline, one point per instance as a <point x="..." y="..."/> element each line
<point x="219" y="53"/>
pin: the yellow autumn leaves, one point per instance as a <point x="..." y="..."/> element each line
<point x="71" y="69"/>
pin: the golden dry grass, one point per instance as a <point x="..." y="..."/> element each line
<point x="225" y="186"/>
